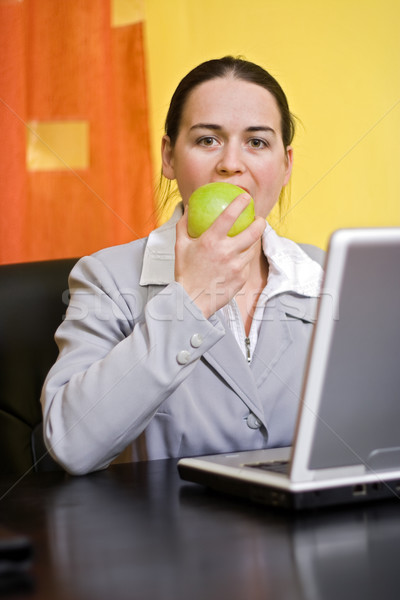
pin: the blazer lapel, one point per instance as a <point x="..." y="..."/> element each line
<point x="275" y="337"/>
<point x="273" y="341"/>
<point x="228" y="361"/>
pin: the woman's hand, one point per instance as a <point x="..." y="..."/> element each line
<point x="214" y="267"/>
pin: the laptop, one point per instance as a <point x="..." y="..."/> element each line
<point x="346" y="447"/>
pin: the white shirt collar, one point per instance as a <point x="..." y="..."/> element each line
<point x="290" y="268"/>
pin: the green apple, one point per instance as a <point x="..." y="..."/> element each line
<point x="207" y="203"/>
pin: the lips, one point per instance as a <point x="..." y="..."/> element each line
<point x="244" y="189"/>
<point x="237" y="185"/>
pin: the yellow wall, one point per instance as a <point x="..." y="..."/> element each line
<point x="339" y="64"/>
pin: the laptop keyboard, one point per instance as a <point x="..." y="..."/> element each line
<point x="277" y="466"/>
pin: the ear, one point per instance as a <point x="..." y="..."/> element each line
<point x="167" y="157"/>
<point x="289" y="164"/>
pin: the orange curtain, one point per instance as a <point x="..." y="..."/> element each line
<point x="75" y="167"/>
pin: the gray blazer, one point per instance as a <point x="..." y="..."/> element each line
<point x="139" y="365"/>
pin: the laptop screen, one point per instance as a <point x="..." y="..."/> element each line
<point x="359" y="412"/>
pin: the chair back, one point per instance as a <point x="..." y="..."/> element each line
<point x="33" y="300"/>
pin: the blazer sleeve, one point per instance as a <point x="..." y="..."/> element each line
<point x="120" y="357"/>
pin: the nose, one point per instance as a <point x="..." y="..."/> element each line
<point x="230" y="161"/>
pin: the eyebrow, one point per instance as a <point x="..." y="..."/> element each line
<point x="260" y="128"/>
<point x="215" y="127"/>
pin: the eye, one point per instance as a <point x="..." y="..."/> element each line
<point x="207" y="141"/>
<point x="257" y="143"/>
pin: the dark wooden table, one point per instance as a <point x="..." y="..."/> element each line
<point x="138" y="532"/>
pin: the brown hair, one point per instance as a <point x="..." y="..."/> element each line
<point x="223" y="67"/>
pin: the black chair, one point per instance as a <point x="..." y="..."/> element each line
<point x="33" y="301"/>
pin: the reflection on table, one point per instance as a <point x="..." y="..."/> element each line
<point x="137" y="531"/>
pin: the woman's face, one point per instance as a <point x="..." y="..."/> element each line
<point x="230" y="131"/>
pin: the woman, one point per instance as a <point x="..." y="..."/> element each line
<point x="174" y="346"/>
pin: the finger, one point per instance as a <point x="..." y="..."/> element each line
<point x="223" y="223"/>
<point x="251" y="235"/>
<point x="181" y="226"/>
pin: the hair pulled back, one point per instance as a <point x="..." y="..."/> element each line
<point x="224" y="67"/>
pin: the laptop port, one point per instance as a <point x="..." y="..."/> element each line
<point x="359" y="490"/>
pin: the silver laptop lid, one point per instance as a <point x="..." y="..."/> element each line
<point x="350" y="414"/>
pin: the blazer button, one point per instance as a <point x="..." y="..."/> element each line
<point x="196" y="340"/>
<point x="253" y="422"/>
<point x="183" y="357"/>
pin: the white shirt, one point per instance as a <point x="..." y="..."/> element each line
<point x="290" y="270"/>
